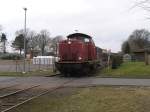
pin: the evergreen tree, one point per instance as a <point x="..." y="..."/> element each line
<point x="18" y="43"/>
<point x="3" y="40"/>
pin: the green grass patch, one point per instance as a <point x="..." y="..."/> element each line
<point x="128" y="69"/>
<point x="27" y="74"/>
<point x="97" y="99"/>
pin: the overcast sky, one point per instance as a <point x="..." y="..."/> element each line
<point x="109" y="22"/>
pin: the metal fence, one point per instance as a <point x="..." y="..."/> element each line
<point x="18" y="66"/>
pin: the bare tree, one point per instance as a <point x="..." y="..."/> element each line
<point x="54" y="43"/>
<point x="36" y="41"/>
<point x="144" y="4"/>
<point x="29" y="33"/>
<point x="126" y="47"/>
<point x="139" y="39"/>
<point x="29" y="38"/>
<point x="42" y="40"/>
<point x="31" y="42"/>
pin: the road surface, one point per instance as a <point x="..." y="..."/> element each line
<point x="49" y="82"/>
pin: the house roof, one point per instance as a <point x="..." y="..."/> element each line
<point x="142" y="50"/>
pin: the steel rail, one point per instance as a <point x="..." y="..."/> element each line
<point x="8" y="86"/>
<point x="16" y="92"/>
<point x="34" y="97"/>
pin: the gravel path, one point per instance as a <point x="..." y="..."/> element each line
<point x="109" y="82"/>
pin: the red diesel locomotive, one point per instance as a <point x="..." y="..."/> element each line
<point x="77" y="54"/>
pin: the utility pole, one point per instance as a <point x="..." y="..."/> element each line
<point x="25" y="34"/>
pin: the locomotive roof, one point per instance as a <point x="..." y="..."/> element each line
<point x="78" y="35"/>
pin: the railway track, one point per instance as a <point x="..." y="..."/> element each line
<point x="16" y="98"/>
<point x="7" y="87"/>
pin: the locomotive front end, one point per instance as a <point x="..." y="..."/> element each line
<point x="71" y="56"/>
<point x="77" y="54"/>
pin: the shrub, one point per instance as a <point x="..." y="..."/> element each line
<point x="10" y="56"/>
<point x="116" y="61"/>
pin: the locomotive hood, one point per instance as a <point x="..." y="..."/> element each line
<point x="71" y="50"/>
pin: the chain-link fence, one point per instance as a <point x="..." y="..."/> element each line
<point x="18" y="65"/>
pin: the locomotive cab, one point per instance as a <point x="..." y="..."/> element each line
<point x="77" y="53"/>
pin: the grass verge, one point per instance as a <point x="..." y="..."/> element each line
<point x="33" y="73"/>
<point x="128" y="70"/>
<point x="97" y="99"/>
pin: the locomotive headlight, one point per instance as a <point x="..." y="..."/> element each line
<point x="80" y="58"/>
<point x="69" y="42"/>
<point x="58" y="58"/>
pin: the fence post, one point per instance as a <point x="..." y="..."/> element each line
<point x="53" y="63"/>
<point x="16" y="66"/>
<point x="39" y="63"/>
<point x="29" y="65"/>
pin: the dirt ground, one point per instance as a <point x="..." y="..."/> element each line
<point x="106" y="94"/>
<point x="91" y="99"/>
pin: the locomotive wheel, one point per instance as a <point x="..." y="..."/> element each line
<point x="86" y="70"/>
<point x="65" y="74"/>
<point x="77" y="69"/>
